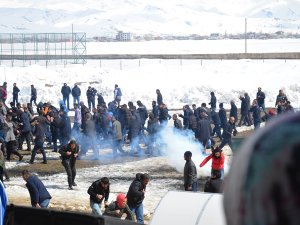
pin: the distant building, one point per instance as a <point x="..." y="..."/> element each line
<point x="214" y="36"/>
<point x="122" y="36"/>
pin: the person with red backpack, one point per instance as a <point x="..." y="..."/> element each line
<point x="218" y="160"/>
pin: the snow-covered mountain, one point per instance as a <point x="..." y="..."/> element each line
<point x="176" y="17"/>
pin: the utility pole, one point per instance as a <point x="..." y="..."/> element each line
<point x="73" y="51"/>
<point x="4" y="74"/>
<point x="245" y="35"/>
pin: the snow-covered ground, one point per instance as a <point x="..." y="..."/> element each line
<point x="194" y="46"/>
<point x="148" y="17"/>
<point x="180" y="81"/>
<point x="161" y="169"/>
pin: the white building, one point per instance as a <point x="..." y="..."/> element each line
<point x="122" y="36"/>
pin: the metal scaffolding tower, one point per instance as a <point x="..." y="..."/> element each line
<point x="42" y="48"/>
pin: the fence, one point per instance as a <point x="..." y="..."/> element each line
<point x="27" y="48"/>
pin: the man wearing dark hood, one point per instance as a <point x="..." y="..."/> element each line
<point x="136" y="195"/>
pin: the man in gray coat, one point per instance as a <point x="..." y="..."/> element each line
<point x="117" y="136"/>
<point x="190" y="173"/>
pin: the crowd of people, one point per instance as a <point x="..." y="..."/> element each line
<point x="118" y="124"/>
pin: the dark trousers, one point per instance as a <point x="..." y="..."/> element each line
<point x="1" y="173"/>
<point x="245" y="119"/>
<point x="11" y="148"/>
<point x="54" y="134"/>
<point x="117" y="145"/>
<point x="66" y="99"/>
<point x="71" y="170"/>
<point x="25" y="135"/>
<point x="33" y="99"/>
<point x="38" y="145"/>
<point x="217" y="130"/>
<point x="226" y="141"/>
<point x="15" y="99"/>
<point x="91" y="102"/>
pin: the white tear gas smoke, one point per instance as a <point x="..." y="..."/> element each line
<point x="176" y="142"/>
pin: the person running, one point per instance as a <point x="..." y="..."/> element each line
<point x="39" y="133"/>
<point x="69" y="155"/>
<point x="99" y="191"/>
<point x="136" y="195"/>
<point x="228" y="132"/>
<point x="33" y="95"/>
<point x="10" y="138"/>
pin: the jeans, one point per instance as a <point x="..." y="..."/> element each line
<point x="117" y="145"/>
<point x="262" y="106"/>
<point x="256" y="125"/>
<point x="96" y="208"/>
<point x="194" y="187"/>
<point x="76" y="100"/>
<point x="222" y="173"/>
<point x="45" y="203"/>
<point x="135" y="146"/>
<point x="91" y="102"/>
<point x="139" y="212"/>
<point x="66" y="99"/>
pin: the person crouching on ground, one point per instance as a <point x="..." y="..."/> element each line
<point x="218" y="160"/>
<point x="119" y="207"/>
<point x="69" y="155"/>
<point x="215" y="183"/>
<point x="98" y="191"/>
<point x="40" y="197"/>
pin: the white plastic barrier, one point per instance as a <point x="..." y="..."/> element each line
<point x="188" y="208"/>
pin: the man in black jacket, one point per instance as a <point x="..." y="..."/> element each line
<point x="16" y="91"/>
<point x="76" y="92"/>
<point x="66" y="90"/>
<point x="98" y="191"/>
<point x="33" y="95"/>
<point x="69" y="155"/>
<point x="233" y="111"/>
<point x="136" y="195"/>
<point x="213" y="100"/>
<point x="260" y="96"/>
<point x="39" y="133"/>
<point x="227" y="132"/>
<point x="190" y="173"/>
<point x="40" y="197"/>
<point x="223" y="116"/>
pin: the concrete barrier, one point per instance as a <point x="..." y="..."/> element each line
<point x="227" y="56"/>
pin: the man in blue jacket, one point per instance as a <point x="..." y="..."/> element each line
<point x="40" y="197"/>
